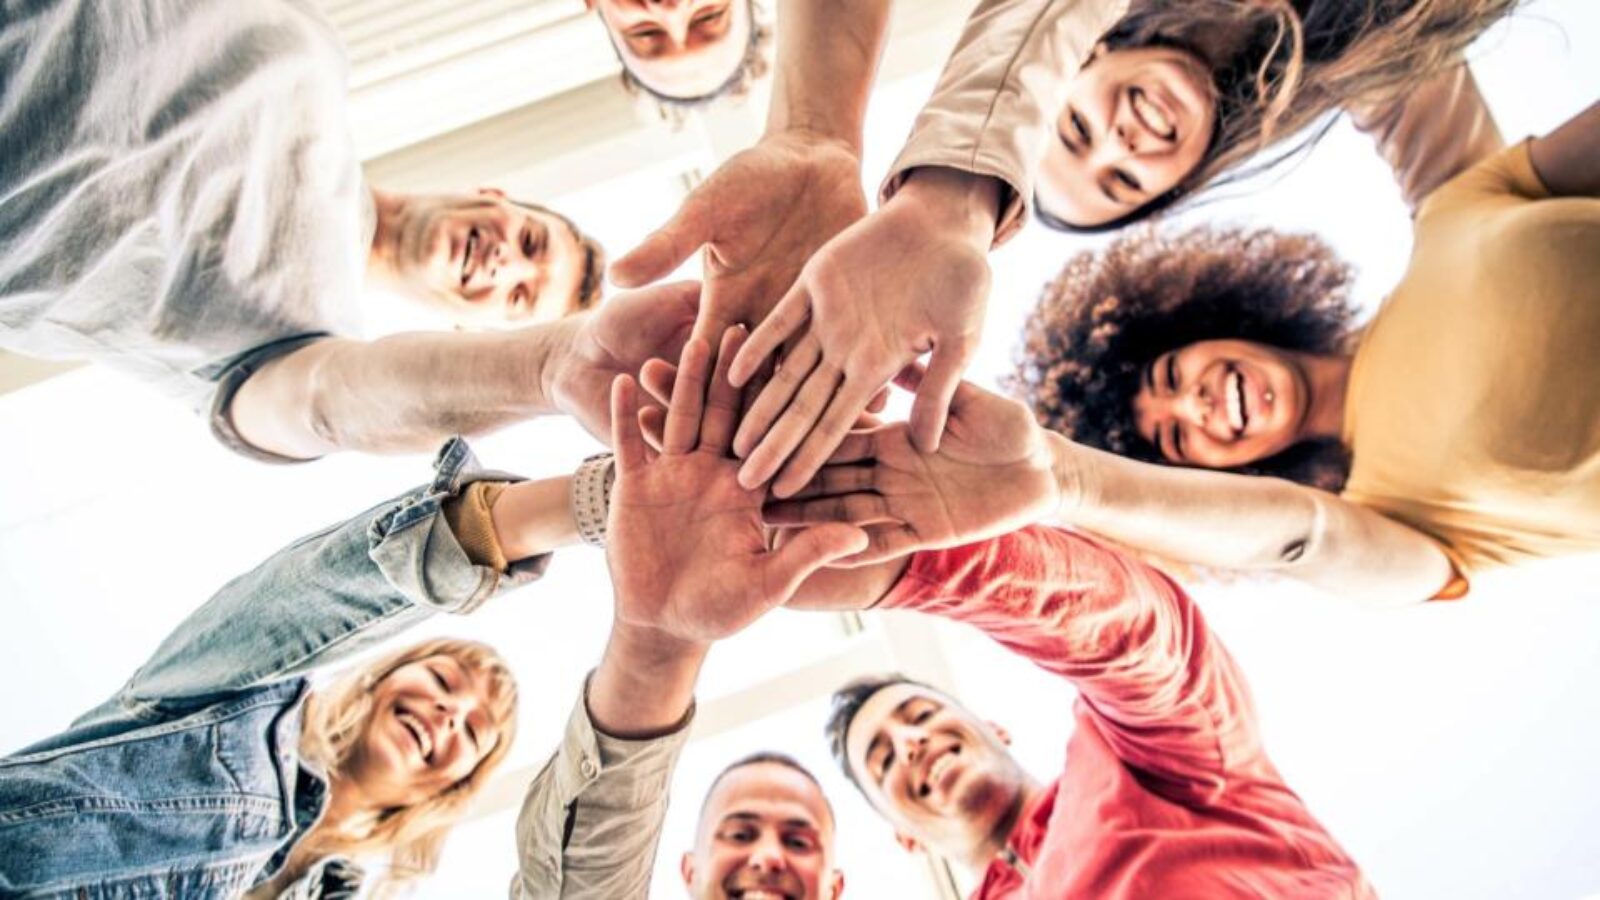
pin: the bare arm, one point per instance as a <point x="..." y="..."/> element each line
<point x="1568" y="159"/>
<point x="409" y="391"/>
<point x="1432" y="132"/>
<point x="828" y="53"/>
<point x="404" y="393"/>
<point x="1244" y="522"/>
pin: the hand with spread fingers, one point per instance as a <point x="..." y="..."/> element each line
<point x="992" y="474"/>
<point x="687" y="549"/>
<point x="759" y="217"/>
<point x="618" y="338"/>
<point x="910" y="279"/>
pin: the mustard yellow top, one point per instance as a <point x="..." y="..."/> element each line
<point x="1473" y="412"/>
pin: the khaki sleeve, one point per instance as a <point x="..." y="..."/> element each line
<point x="592" y="818"/>
<point x="1432" y="133"/>
<point x="998" y="97"/>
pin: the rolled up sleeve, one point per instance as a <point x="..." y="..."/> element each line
<point x="592" y="818"/>
<point x="997" y="99"/>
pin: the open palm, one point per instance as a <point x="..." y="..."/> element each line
<point x="687" y="551"/>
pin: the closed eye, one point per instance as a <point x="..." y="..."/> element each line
<point x="1127" y="181"/>
<point x="1172" y="372"/>
<point x="439" y="680"/>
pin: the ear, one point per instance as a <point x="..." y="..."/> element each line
<point x="999" y="732"/>
<point x="686" y="869"/>
<point x="589" y="5"/>
<point x="492" y="192"/>
<point x="837" y="885"/>
<point x="1100" y="49"/>
<point x="907" y="842"/>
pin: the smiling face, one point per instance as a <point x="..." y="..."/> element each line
<point x="766" y="834"/>
<point x="1136" y="123"/>
<point x="937" y="773"/>
<point x="678" y="48"/>
<point x="1222" y="404"/>
<point x="486" y="260"/>
<point x="432" y="723"/>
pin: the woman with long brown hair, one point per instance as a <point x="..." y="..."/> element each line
<point x="1099" y="112"/>
<point x="226" y="768"/>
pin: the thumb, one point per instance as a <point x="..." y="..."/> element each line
<point x="808" y="550"/>
<point x="934" y="395"/>
<point x="663" y="251"/>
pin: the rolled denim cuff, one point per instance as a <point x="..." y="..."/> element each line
<point x="412" y="544"/>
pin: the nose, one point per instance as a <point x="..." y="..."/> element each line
<point x="767" y="855"/>
<point x="911" y="743"/>
<point x="1128" y="138"/>
<point x="1194" y="405"/>
<point x="508" y="264"/>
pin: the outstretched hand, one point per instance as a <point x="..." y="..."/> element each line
<point x="618" y="338"/>
<point x="687" y="550"/>
<point x="992" y="474"/>
<point x="760" y="216"/>
<point x="910" y="279"/>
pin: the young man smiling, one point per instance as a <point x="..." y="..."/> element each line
<point x="181" y="200"/>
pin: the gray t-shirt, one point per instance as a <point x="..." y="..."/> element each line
<point x="178" y="186"/>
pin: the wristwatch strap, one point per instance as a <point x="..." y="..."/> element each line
<point x="591" y="497"/>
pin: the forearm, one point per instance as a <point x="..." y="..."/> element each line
<point x="828" y="52"/>
<point x="644" y="685"/>
<point x="1566" y="159"/>
<point x="1432" y="132"/>
<point x="403" y="393"/>
<point x="848" y="589"/>
<point x="1231" y="521"/>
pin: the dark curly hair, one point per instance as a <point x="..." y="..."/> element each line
<point x="1108" y="315"/>
<point x="1281" y="69"/>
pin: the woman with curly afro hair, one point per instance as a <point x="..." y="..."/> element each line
<point x="1460" y="427"/>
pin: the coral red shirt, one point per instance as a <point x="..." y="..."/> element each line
<point x="1166" y="791"/>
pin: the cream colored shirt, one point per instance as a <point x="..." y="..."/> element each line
<point x="1473" y="412"/>
<point x="995" y="107"/>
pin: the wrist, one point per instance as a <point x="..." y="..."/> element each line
<point x="534" y="517"/>
<point x="552" y="359"/>
<point x="963" y="204"/>
<point x="1068" y="470"/>
<point x="817" y="134"/>
<point x="644" y="685"/>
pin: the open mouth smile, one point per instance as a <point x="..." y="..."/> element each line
<point x="469" y="257"/>
<point x="938" y="769"/>
<point x="1151" y="115"/>
<point x="420" y="733"/>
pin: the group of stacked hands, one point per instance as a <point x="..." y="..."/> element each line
<point x="205" y="243"/>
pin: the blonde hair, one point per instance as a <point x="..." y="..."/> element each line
<point x="412" y="837"/>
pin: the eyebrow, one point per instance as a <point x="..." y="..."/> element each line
<point x="878" y="739"/>
<point x="745" y="816"/>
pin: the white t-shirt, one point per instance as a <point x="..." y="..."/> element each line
<point x="178" y="186"/>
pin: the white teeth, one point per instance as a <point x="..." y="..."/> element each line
<point x="940" y="766"/>
<point x="1235" y="386"/>
<point x="423" y="740"/>
<point x="1152" y="115"/>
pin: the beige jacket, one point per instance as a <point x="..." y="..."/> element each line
<point x="591" y="820"/>
<point x="997" y="99"/>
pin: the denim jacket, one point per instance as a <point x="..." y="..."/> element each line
<point x="188" y="783"/>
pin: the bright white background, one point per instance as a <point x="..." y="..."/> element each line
<point x="1450" y="748"/>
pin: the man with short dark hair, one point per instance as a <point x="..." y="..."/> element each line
<point x="180" y="199"/>
<point x="1166" y="790"/>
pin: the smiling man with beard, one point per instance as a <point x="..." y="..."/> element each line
<point x="766" y="833"/>
<point x="180" y="199"/>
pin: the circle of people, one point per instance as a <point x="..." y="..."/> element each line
<point x="1201" y="396"/>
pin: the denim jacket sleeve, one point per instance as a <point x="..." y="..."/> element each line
<point x="322" y="599"/>
<point x="592" y="818"/>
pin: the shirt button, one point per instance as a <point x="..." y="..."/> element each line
<point x="588" y="768"/>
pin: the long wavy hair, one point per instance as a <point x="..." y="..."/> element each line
<point x="1109" y="314"/>
<point x="411" y="837"/>
<point x="1280" y="67"/>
